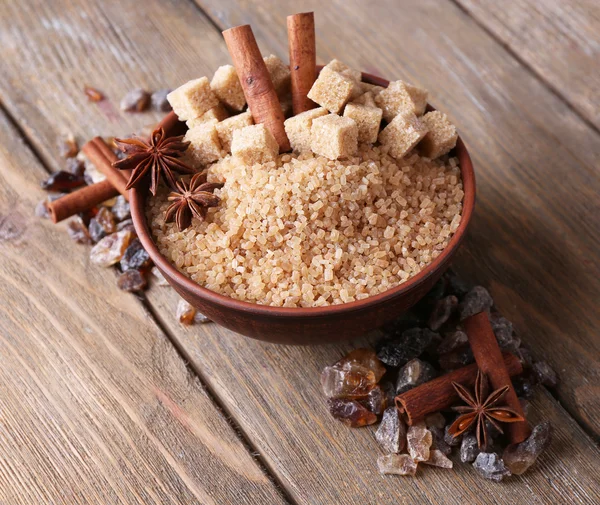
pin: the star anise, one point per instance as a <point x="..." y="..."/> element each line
<point x="191" y="200"/>
<point x="158" y="154"/>
<point x="480" y="408"/>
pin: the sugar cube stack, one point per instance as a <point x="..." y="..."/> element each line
<point x="350" y="112"/>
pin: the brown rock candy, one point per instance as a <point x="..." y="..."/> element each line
<point x="520" y="457"/>
<point x="442" y="311"/>
<point x="438" y="458"/>
<point x="78" y="231"/>
<point x="185" y="312"/>
<point x="350" y="412"/>
<point x="418" y="442"/>
<point x="110" y="249"/>
<point x="396" y="464"/>
<point x="490" y="466"/>
<point x="354" y="376"/>
<point x="391" y="434"/>
<point x="414" y="373"/>
<point x="132" y="281"/>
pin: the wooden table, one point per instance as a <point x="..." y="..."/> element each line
<point x="105" y="398"/>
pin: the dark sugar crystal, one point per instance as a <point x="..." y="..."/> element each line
<point x="476" y="300"/>
<point x="350" y="412"/>
<point x="63" y="181"/>
<point x="126" y="225"/>
<point x="442" y="311"/>
<point x="78" y="231"/>
<point x="135" y="257"/>
<point x="503" y="328"/>
<point x="96" y="230"/>
<point x="519" y="457"/>
<point x="414" y="373"/>
<point x="524" y="387"/>
<point x="439" y="442"/>
<point x="354" y="376"/>
<point x="379" y="398"/>
<point x="468" y="448"/>
<point x="132" y="280"/>
<point x="451" y="440"/>
<point x="491" y="466"/>
<point x="545" y="374"/>
<point x="455" y="285"/>
<point x="121" y="208"/>
<point x="411" y="344"/>
<point x="406" y="321"/>
<point x="456" y="359"/>
<point x="159" y="100"/>
<point x="67" y="146"/>
<point x="391" y="434"/>
<point x="452" y="341"/>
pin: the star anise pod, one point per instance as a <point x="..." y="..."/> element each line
<point x="158" y="154"/>
<point x="480" y="408"/>
<point x="191" y="200"/>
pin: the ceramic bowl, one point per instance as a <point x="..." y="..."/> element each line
<point x="307" y="325"/>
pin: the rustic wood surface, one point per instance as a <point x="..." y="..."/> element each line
<point x="114" y="416"/>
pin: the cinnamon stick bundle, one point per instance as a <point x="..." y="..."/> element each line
<point x="256" y="82"/>
<point x="439" y="394"/>
<point x="303" y="59"/>
<point x="488" y="356"/>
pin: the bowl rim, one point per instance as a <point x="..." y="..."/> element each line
<point x="137" y="203"/>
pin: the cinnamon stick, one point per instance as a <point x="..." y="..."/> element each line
<point x="102" y="158"/>
<point x="256" y="82"/>
<point x="81" y="200"/>
<point x="439" y="394"/>
<point x="303" y="59"/>
<point x="488" y="356"/>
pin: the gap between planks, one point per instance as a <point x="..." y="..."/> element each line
<point x="515" y="55"/>
<point x="159" y="321"/>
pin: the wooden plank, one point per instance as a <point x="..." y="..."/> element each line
<point x="559" y="40"/>
<point x="96" y="406"/>
<point x="536" y="226"/>
<point x="272" y="392"/>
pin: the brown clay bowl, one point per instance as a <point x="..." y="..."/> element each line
<point x="307" y="325"/>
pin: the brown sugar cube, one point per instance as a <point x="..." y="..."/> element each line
<point x="334" y="136"/>
<point x="419" y="98"/>
<point x="367" y="119"/>
<point x="395" y="99"/>
<point x="254" y="144"/>
<point x="226" y="128"/>
<point x="441" y="137"/>
<point x="345" y="70"/>
<point x="332" y="90"/>
<point x="298" y="128"/>
<point x="192" y="99"/>
<point x="367" y="99"/>
<point x="402" y="134"/>
<point x="204" y="143"/>
<point x="217" y="113"/>
<point x="280" y="74"/>
<point x="227" y="87"/>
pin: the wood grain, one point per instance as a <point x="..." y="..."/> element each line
<point x="272" y="392"/>
<point x="559" y="40"/>
<point x="536" y="231"/>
